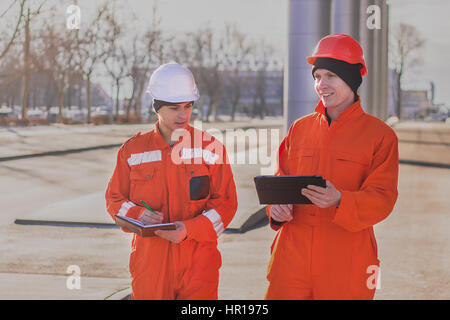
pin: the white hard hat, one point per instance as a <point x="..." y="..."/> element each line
<point x="172" y="82"/>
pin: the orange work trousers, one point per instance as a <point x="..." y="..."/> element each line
<point x="322" y="261"/>
<point x="162" y="270"/>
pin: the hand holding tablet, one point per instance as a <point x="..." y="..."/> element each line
<point x="285" y="189"/>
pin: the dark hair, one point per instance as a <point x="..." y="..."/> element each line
<point x="158" y="104"/>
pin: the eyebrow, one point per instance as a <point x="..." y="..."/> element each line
<point x="180" y="105"/>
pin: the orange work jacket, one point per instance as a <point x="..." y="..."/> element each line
<point x="190" y="181"/>
<point x="358" y="154"/>
<point x="145" y="171"/>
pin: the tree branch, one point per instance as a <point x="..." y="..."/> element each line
<point x="13" y="37"/>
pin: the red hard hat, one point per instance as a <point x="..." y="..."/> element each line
<point x="339" y="47"/>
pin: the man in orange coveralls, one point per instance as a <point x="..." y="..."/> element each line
<point x="327" y="250"/>
<point x="185" y="177"/>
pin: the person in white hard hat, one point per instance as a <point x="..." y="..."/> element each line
<point x="183" y="180"/>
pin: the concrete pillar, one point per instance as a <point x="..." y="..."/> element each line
<point x="377" y="71"/>
<point x="309" y="21"/>
<point x="380" y="76"/>
<point x="374" y="89"/>
<point x="345" y="17"/>
<point x="366" y="39"/>
<point x="384" y="81"/>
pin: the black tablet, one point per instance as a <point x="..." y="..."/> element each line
<point x="285" y="189"/>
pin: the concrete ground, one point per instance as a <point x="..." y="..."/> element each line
<point x="414" y="246"/>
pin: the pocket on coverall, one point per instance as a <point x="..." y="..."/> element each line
<point x="301" y="161"/>
<point x="146" y="184"/>
<point x="349" y="170"/>
<point x="198" y="191"/>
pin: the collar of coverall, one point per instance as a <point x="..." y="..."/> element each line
<point x="163" y="143"/>
<point x="353" y="111"/>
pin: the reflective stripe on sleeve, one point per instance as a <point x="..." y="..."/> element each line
<point x="216" y="220"/>
<point x="125" y="207"/>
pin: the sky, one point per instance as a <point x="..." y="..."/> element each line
<point x="268" y="19"/>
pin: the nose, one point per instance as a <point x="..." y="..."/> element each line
<point x="182" y="113"/>
<point x="321" y="84"/>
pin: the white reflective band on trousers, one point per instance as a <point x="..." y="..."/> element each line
<point x="125" y="207"/>
<point x="216" y="220"/>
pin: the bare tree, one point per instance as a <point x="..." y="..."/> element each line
<point x="116" y="58"/>
<point x="11" y="77"/>
<point x="91" y="47"/>
<point x="200" y="51"/>
<point x="405" y="44"/>
<point x="236" y="49"/>
<point x="116" y="65"/>
<point x="28" y="14"/>
<point x="263" y="55"/>
<point x="55" y="57"/>
<point x="148" y="52"/>
<point x="139" y="72"/>
<point x="16" y="28"/>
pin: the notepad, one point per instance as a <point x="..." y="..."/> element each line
<point x="141" y="229"/>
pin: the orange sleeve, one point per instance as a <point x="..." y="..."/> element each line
<point x="118" y="190"/>
<point x="377" y="196"/>
<point x="221" y="206"/>
<point x="282" y="160"/>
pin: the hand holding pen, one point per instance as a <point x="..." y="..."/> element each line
<point x="150" y="216"/>
<point x="176" y="236"/>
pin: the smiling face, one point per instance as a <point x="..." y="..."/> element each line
<point x="174" y="116"/>
<point x="332" y="90"/>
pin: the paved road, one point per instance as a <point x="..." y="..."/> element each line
<point x="71" y="187"/>
<point x="414" y="242"/>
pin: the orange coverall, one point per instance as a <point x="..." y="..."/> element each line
<point x="200" y="191"/>
<point x="331" y="253"/>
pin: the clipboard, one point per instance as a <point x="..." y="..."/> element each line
<point x="285" y="189"/>
<point x="141" y="229"/>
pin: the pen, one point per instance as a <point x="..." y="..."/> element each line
<point x="148" y="207"/>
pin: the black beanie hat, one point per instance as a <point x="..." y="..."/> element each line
<point x="348" y="72"/>
<point x="158" y="104"/>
